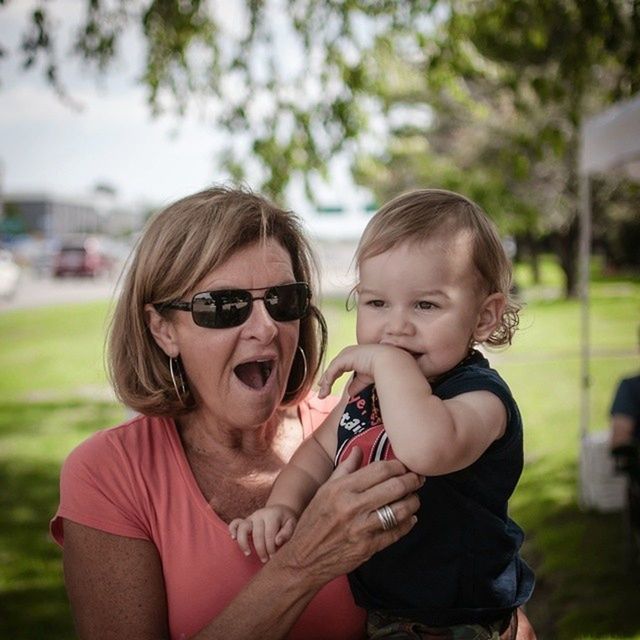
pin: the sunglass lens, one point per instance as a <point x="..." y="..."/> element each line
<point x="287" y="302"/>
<point x="221" y="309"/>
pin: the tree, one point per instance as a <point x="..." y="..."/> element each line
<point x="509" y="84"/>
<point x="519" y="75"/>
<point x="293" y="107"/>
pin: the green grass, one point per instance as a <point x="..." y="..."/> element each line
<point x="53" y="393"/>
<point x="52" y="349"/>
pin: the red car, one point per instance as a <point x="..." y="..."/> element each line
<point x="83" y="258"/>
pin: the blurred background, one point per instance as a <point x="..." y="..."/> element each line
<point x="111" y="109"/>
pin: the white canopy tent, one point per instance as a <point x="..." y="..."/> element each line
<point x="610" y="142"/>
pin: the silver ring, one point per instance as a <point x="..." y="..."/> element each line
<point x="387" y="517"/>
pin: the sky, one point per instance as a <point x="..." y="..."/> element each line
<point x="47" y="147"/>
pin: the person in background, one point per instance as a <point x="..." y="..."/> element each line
<point x="215" y="339"/>
<point x="624" y="425"/>
<point x="433" y="284"/>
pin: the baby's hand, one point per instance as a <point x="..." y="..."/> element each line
<point x="269" y="528"/>
<point x="361" y="359"/>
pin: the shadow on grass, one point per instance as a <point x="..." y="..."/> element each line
<point x="585" y="586"/>
<point x="30" y="418"/>
<point x="34" y="603"/>
<point x="34" y="439"/>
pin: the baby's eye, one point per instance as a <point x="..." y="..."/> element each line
<point x="425" y="305"/>
<point x="377" y="304"/>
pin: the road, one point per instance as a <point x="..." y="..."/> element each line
<point x="37" y="291"/>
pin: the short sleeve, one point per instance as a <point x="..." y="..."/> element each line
<point x="477" y="378"/>
<point x="626" y="401"/>
<point x="98" y="489"/>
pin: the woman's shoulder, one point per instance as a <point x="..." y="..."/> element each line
<point x="106" y="480"/>
<point x="138" y="436"/>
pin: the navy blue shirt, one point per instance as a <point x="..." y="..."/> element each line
<point x="460" y="563"/>
<point x="627" y="402"/>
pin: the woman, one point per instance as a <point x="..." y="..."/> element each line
<point x="222" y="380"/>
<point x="216" y="340"/>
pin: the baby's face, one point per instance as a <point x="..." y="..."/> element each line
<point x="426" y="298"/>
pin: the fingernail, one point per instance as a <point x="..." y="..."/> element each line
<point x="247" y="553"/>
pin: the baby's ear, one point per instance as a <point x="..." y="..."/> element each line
<point x="489" y="316"/>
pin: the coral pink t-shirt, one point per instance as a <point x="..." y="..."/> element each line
<point x="134" y="480"/>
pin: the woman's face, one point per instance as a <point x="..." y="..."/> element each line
<point x="239" y="375"/>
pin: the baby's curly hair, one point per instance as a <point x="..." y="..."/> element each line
<point x="418" y="215"/>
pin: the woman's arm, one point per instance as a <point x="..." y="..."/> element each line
<point x="116" y="588"/>
<point x="115" y="585"/>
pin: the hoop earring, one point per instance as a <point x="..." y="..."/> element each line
<point x="181" y="390"/>
<point x="305" y="369"/>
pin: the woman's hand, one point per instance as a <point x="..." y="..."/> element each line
<point x="340" y="528"/>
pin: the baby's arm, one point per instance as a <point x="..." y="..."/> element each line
<point x="309" y="467"/>
<point x="429" y="435"/>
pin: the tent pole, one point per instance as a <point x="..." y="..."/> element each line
<point x="584" y="258"/>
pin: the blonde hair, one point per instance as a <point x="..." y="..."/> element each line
<point x="418" y="215"/>
<point x="178" y="247"/>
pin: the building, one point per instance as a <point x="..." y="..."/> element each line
<point x="50" y="217"/>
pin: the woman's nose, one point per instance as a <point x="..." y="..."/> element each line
<point x="260" y="324"/>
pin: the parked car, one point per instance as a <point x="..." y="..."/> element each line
<point x="83" y="257"/>
<point x="9" y="275"/>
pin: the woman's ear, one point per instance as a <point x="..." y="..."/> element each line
<point x="162" y="330"/>
<point x="489" y="316"/>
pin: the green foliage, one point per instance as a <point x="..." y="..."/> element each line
<point x="508" y="84"/>
<point x="566" y="57"/>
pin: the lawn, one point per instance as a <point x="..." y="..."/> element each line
<point x="53" y="393"/>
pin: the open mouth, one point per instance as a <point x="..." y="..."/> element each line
<point x="254" y="374"/>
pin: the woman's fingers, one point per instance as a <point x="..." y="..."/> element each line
<point x="401" y="511"/>
<point x="286" y="532"/>
<point x="340" y="527"/>
<point x="348" y="465"/>
<point x="389" y="477"/>
<point x="385" y="538"/>
<point x="376" y="485"/>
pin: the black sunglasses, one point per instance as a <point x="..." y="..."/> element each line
<point x="227" y="308"/>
